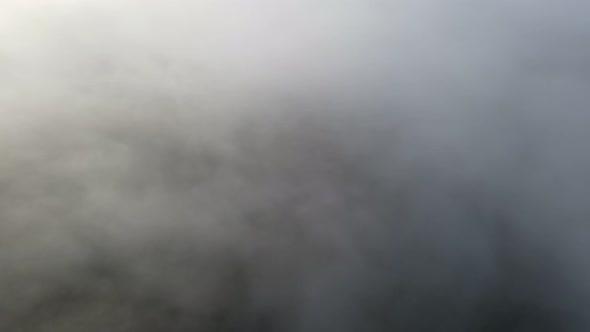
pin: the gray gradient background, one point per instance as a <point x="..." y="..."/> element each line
<point x="294" y="165"/>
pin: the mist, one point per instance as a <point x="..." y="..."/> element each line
<point x="294" y="165"/>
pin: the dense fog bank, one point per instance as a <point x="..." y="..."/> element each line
<point x="294" y="165"/>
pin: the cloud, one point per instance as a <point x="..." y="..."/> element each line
<point x="293" y="166"/>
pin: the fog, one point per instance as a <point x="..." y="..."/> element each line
<point x="294" y="165"/>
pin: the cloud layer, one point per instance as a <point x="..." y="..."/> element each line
<point x="298" y="166"/>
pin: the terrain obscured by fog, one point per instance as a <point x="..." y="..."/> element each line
<point x="294" y="165"/>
